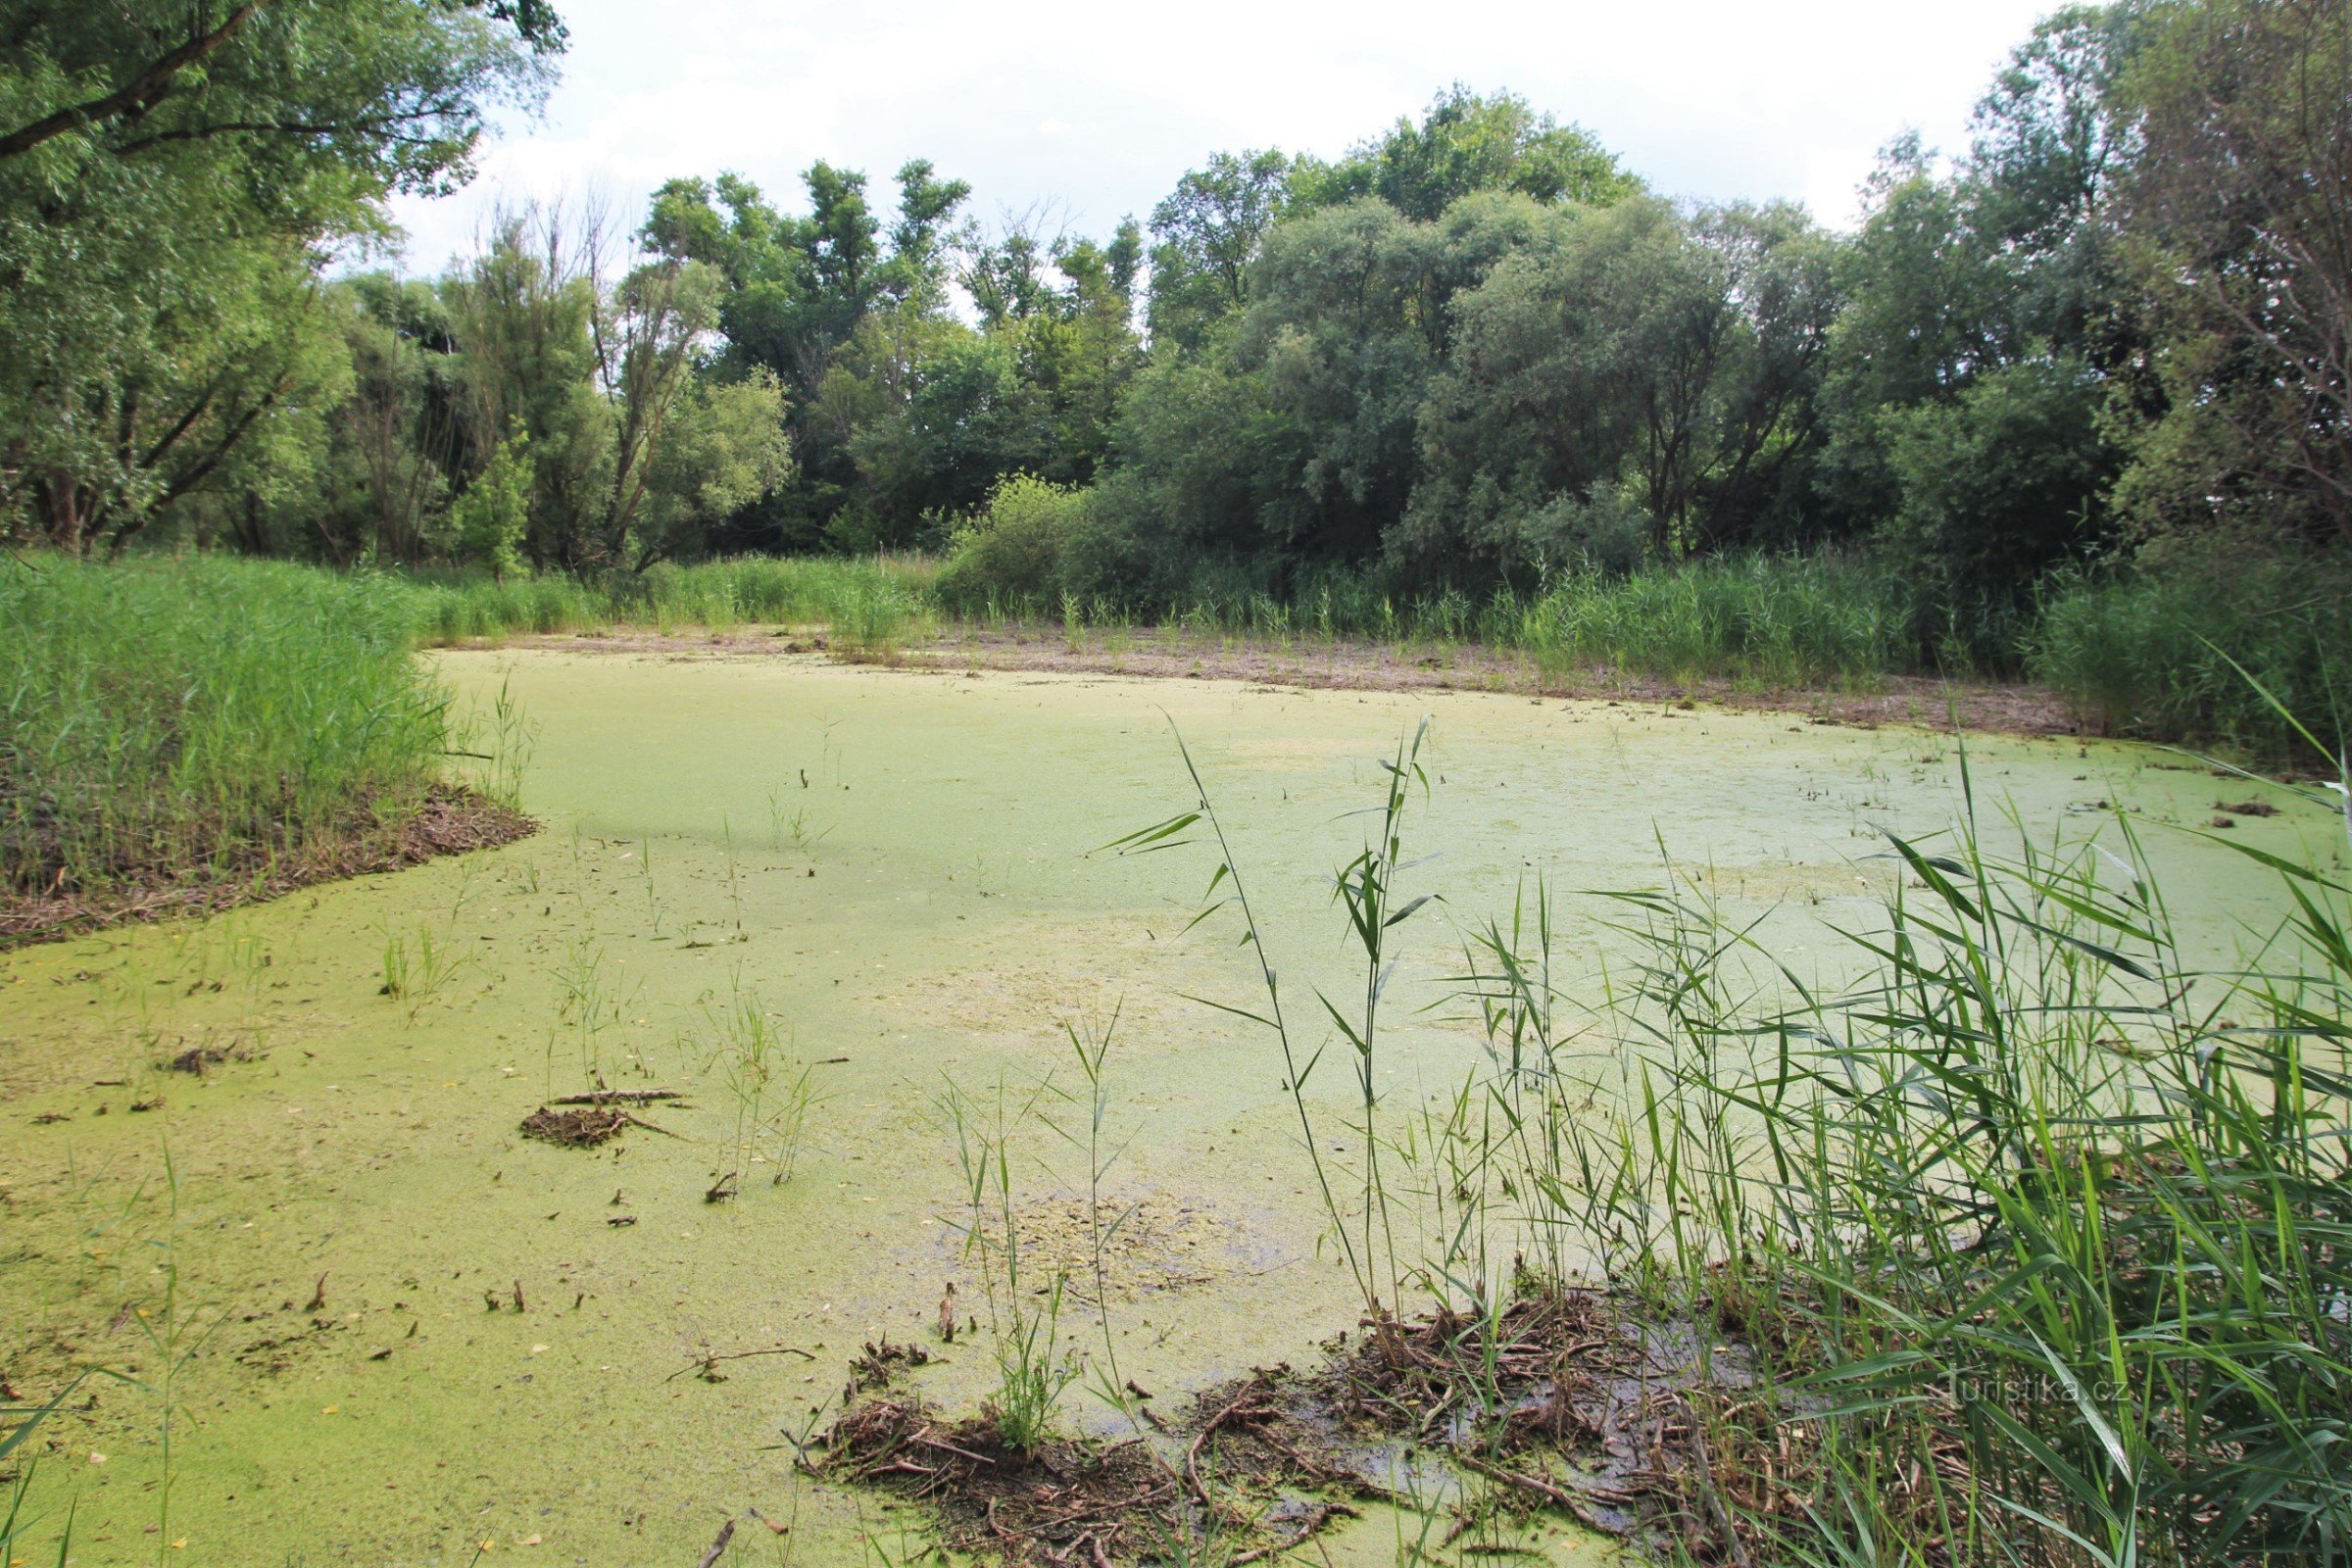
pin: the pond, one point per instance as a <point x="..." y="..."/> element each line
<point x="374" y="1323"/>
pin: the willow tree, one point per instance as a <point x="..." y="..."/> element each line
<point x="171" y="176"/>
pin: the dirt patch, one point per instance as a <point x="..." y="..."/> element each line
<point x="1929" y="702"/>
<point x="450" y="820"/>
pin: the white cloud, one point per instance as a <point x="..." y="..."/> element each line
<point x="1098" y="109"/>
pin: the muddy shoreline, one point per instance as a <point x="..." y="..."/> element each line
<point x="1314" y="665"/>
<point x="450" y="820"/>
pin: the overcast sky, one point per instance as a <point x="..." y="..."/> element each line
<point x="1100" y="107"/>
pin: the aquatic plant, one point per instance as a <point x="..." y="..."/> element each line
<point x="1365" y="887"/>
<point x="772" y="1089"/>
<point x="1035" y="1367"/>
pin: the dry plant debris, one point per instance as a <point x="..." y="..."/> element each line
<point x="580" y="1127"/>
<point x="1583" y="1404"/>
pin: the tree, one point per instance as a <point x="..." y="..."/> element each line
<point x="724" y="449"/>
<point x="389" y="90"/>
<point x="1638" y="362"/>
<point x="801" y="296"/>
<point x="132" y="373"/>
<point x="648" y="332"/>
<point x="2237" y="225"/>
<point x="1990" y="293"/>
<point x="487" y="521"/>
<point x="1468" y="143"/>
<point x="403" y="426"/>
<point x="1210" y="229"/>
<point x="526" y="314"/>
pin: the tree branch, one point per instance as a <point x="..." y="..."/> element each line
<point x="134" y="98"/>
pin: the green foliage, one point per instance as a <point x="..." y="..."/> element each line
<point x="2163" y="646"/>
<point x="1210" y="229"/>
<point x="169" y="177"/>
<point x="488" y="520"/>
<point x="200" y="718"/>
<point x="1639" y="355"/>
<point x="1010" y="555"/>
<point x="1469" y="142"/>
<point x="725" y="448"/>
<point x="1998" y="484"/>
<point x="2234" y="227"/>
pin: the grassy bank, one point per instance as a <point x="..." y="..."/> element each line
<point x="1766" y="621"/>
<point x="860" y="598"/>
<point x="2164" y="652"/>
<point x="200" y="721"/>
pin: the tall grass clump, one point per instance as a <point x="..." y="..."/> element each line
<point x="879" y="596"/>
<point x="2041" y="1233"/>
<point x="1772" y="621"/>
<point x="191" y="719"/>
<point x="455" y="608"/>
<point x="2157" y="649"/>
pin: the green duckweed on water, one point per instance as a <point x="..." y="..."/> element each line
<point x="389" y="1328"/>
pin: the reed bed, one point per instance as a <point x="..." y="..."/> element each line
<point x="2164" y="653"/>
<point x="1764" y="620"/>
<point x="2033" y="1245"/>
<point x="171" y="720"/>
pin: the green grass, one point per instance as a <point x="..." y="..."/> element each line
<point x="185" y="719"/>
<point x="2158" y="653"/>
<point x="2039" y="1232"/>
<point x="871" y="601"/>
<point x="1773" y="621"/>
<point x="1769" y="620"/>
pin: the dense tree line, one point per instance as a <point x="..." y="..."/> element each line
<point x="1475" y="349"/>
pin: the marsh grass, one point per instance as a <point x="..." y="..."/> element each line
<point x="2044" y="1228"/>
<point x="2036" y="1237"/>
<point x="874" y="602"/>
<point x="417" y="966"/>
<point x="2165" y="652"/>
<point x="18" y="1425"/>
<point x="770" y="1088"/>
<point x="201" y="720"/>
<point x="1035" y="1364"/>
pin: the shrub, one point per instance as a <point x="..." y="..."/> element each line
<point x="489" y="518"/>
<point x="1011" y="553"/>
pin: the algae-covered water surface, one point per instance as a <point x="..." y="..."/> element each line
<point x="264" y="1187"/>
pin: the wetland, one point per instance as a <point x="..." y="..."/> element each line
<point x="268" y="1193"/>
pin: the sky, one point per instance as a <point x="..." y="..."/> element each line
<point x="1083" y="113"/>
